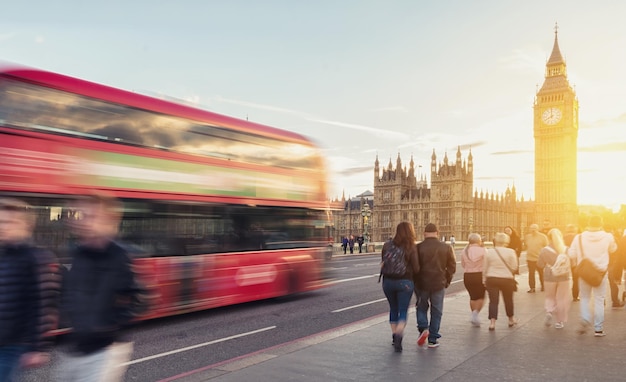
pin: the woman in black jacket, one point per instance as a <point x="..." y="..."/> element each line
<point x="398" y="277"/>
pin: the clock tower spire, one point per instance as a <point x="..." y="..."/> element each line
<point x="556" y="144"/>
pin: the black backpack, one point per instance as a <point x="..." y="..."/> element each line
<point x="394" y="263"/>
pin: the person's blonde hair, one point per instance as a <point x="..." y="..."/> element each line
<point x="501" y="239"/>
<point x="474" y="238"/>
<point x="556" y="239"/>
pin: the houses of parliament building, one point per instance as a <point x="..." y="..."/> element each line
<point x="451" y="201"/>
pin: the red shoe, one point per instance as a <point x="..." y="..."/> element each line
<point x="421" y="340"/>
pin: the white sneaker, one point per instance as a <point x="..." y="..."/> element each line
<point x="548" y="320"/>
<point x="475" y="319"/>
<point x="559" y="325"/>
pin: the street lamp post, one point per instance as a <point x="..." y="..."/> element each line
<point x="366" y="213"/>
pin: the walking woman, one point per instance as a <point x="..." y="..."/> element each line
<point x="557" y="301"/>
<point x="499" y="268"/>
<point x="472" y="259"/>
<point x="399" y="264"/>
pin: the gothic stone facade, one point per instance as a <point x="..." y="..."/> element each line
<point x="450" y="202"/>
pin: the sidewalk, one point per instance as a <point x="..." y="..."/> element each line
<point x="362" y="351"/>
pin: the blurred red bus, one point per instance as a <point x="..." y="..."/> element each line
<point x="220" y="210"/>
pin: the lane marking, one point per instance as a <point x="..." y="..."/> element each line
<point x="352" y="279"/>
<point x="139" y="360"/>
<point x="359" y="305"/>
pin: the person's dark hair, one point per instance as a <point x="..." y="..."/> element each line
<point x="19" y="206"/>
<point x="405" y="236"/>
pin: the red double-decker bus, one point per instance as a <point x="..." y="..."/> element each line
<point x="219" y="210"/>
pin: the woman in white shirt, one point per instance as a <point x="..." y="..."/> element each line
<point x="499" y="267"/>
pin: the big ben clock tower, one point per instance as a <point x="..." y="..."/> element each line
<point x="556" y="145"/>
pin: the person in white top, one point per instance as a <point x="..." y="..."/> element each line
<point x="594" y="244"/>
<point x="499" y="267"/>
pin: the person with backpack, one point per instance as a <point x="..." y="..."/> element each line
<point x="398" y="267"/>
<point x="554" y="261"/>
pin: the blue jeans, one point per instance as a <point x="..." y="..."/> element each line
<point x="9" y="361"/>
<point x="398" y="293"/>
<point x="433" y="301"/>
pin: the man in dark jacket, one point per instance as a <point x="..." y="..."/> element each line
<point x="437" y="266"/>
<point x="101" y="295"/>
<point x="29" y="286"/>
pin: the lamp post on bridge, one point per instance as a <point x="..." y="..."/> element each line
<point x="366" y="213"/>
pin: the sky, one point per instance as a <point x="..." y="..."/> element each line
<point x="361" y="78"/>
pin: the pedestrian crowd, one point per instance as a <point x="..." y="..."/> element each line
<point x="571" y="267"/>
<point x="97" y="295"/>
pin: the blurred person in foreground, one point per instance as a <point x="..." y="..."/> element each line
<point x="472" y="258"/>
<point x="534" y="241"/>
<point x="594" y="244"/>
<point x="101" y="295"/>
<point x="515" y="242"/>
<point x="499" y="277"/>
<point x="29" y="288"/>
<point x="557" y="301"/>
<point x="437" y="266"/>
<point x="570" y="233"/>
<point x="398" y="286"/>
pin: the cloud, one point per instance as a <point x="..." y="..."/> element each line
<point x="355" y="170"/>
<point x="401" y="109"/>
<point x="607" y="122"/>
<point x="605" y="147"/>
<point x="521" y="59"/>
<point x="39" y="40"/>
<point x="381" y="133"/>
<point x="261" y="106"/>
<point x="512" y="152"/>
<point x="6" y="36"/>
<point x="468" y="146"/>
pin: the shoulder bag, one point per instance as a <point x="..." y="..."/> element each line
<point x="587" y="270"/>
<point x="514" y="282"/>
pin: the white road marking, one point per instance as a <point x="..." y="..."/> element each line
<point x="331" y="282"/>
<point x="359" y="305"/>
<point x="197" y="346"/>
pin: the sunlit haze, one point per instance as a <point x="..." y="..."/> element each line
<point x="361" y="78"/>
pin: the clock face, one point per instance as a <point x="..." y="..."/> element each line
<point x="551" y="116"/>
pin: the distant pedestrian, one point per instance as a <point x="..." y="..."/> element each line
<point x="534" y="241"/>
<point x="499" y="277"/>
<point x="437" y="266"/>
<point x="360" y="240"/>
<point x="515" y="242"/>
<point x="351" y="244"/>
<point x="472" y="258"/>
<point x="344" y="244"/>
<point x="101" y="298"/>
<point x="595" y="245"/>
<point x="570" y="233"/>
<point x="616" y="270"/>
<point x="29" y="286"/>
<point x="398" y="287"/>
<point x="557" y="300"/>
<point x="452" y="241"/>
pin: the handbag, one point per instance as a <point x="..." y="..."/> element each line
<point x="513" y="281"/>
<point x="587" y="270"/>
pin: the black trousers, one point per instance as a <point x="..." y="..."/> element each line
<point x="532" y="267"/>
<point x="495" y="286"/>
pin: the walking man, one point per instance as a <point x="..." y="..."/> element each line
<point x="534" y="241"/>
<point x="101" y="296"/>
<point x="595" y="245"/>
<point x="437" y="266"/>
<point x="29" y="287"/>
